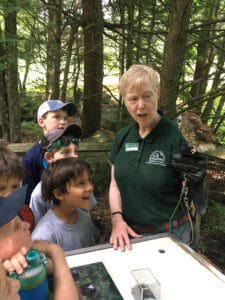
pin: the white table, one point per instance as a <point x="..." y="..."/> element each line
<point x="182" y="273"/>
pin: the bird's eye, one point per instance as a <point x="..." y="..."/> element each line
<point x="179" y="120"/>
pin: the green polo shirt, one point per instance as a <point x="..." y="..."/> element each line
<point x="149" y="187"/>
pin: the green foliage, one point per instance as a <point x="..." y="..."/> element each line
<point x="221" y="134"/>
<point x="214" y="218"/>
<point x="32" y="127"/>
<point x="212" y="224"/>
<point x="134" y="32"/>
<point x="213" y="234"/>
<point x="29" y="104"/>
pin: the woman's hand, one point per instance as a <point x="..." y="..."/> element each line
<point x="120" y="234"/>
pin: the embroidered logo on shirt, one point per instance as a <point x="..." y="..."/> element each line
<point x="131" y="147"/>
<point x="157" y="158"/>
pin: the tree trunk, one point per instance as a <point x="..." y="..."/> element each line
<point x="174" y="52"/>
<point x="53" y="49"/>
<point x="205" y="57"/>
<point x="220" y="59"/>
<point x="73" y="30"/>
<point x="12" y="70"/>
<point x="130" y="35"/>
<point x="93" y="65"/>
<point x="219" y="115"/>
<point x="4" y="114"/>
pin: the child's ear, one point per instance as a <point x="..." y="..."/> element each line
<point x="41" y="122"/>
<point x="48" y="157"/>
<point x="58" y="195"/>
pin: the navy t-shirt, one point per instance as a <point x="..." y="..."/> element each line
<point x="33" y="164"/>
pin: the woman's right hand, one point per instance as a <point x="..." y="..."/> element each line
<point x="120" y="234"/>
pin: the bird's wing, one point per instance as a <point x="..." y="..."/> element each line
<point x="205" y="134"/>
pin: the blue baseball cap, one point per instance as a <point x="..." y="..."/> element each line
<point x="11" y="205"/>
<point x="52" y="105"/>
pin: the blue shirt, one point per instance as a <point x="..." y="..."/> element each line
<point x="33" y="165"/>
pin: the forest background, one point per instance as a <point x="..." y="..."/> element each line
<point x="75" y="50"/>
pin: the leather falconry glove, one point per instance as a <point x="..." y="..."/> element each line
<point x="193" y="166"/>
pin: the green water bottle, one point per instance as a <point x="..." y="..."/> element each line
<point x="33" y="281"/>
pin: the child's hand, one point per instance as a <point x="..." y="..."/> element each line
<point x="17" y="263"/>
<point x="51" y="250"/>
<point x="42" y="246"/>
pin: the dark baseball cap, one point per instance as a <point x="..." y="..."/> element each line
<point x="11" y="205"/>
<point x="52" y="136"/>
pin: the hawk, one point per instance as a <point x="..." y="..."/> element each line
<point x="199" y="136"/>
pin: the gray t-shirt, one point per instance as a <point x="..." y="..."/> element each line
<point x="68" y="236"/>
<point x="39" y="206"/>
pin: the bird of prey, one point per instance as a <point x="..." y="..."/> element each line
<point x="199" y="136"/>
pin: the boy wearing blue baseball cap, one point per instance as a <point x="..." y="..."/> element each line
<point x="51" y="115"/>
<point x="11" y="175"/>
<point x="15" y="241"/>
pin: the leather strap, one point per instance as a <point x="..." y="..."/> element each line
<point x="165" y="226"/>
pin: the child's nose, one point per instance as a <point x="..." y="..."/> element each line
<point x="62" y="121"/>
<point x="90" y="187"/>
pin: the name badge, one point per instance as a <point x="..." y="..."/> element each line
<point x="131" y="147"/>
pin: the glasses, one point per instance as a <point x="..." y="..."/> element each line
<point x="63" y="142"/>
